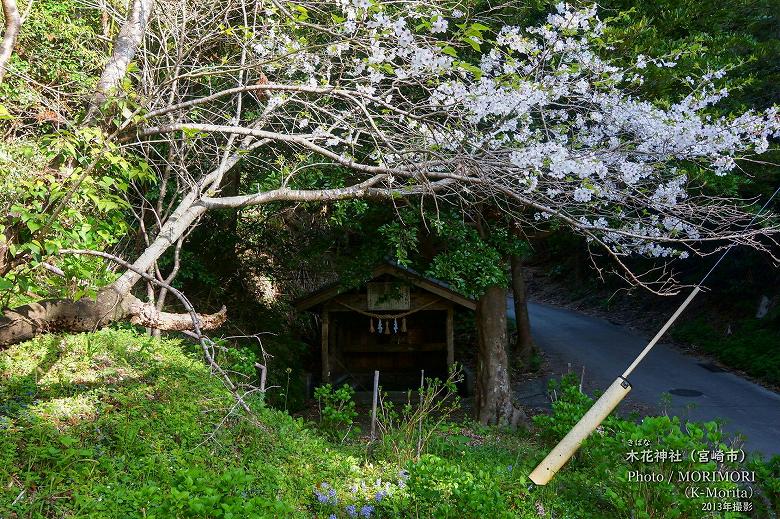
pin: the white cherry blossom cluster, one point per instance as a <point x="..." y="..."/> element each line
<point x="535" y="115"/>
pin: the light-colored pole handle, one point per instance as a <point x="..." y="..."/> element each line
<point x="566" y="448"/>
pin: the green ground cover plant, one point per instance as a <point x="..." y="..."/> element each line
<point x="116" y="424"/>
<point x="750" y="345"/>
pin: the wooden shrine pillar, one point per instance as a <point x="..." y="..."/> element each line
<point x="325" y="352"/>
<point x="450" y="337"/>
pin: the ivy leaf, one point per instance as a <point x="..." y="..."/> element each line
<point x="471" y="40"/>
<point x="33" y="225"/>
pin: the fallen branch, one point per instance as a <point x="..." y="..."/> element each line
<point x="111" y="305"/>
<point x="150" y="317"/>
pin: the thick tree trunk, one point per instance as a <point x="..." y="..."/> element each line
<point x="494" y="391"/>
<point x="13" y="22"/>
<point x="524" y="343"/>
<point x="176" y="225"/>
<point x="88" y="314"/>
<point x="130" y="37"/>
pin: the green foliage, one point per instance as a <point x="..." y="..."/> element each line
<point x="751" y="346"/>
<point x="741" y="37"/>
<point x="239" y="359"/>
<point x="55" y="63"/>
<point x="115" y="424"/>
<point x="469" y="260"/>
<point x="406" y="432"/>
<point x="81" y="204"/>
<point x="768" y="485"/>
<point x="286" y="372"/>
<point x="602" y="465"/>
<point x="197" y="493"/>
<point x="471" y="265"/>
<point x="61" y="185"/>
<point x="337" y="410"/>
<point x="470" y="472"/>
<point x="361" y="499"/>
<point x="446" y="490"/>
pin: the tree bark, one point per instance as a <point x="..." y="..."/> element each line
<point x="494" y="391"/>
<point x="27" y="321"/>
<point x="524" y="343"/>
<point x="6" y="237"/>
<point x="105" y="19"/>
<point x="176" y="225"/>
<point x="13" y="22"/>
<point x="88" y="314"/>
<point x="130" y="37"/>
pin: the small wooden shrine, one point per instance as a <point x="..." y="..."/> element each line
<point x="399" y="322"/>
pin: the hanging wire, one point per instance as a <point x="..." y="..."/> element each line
<point x="692" y="295"/>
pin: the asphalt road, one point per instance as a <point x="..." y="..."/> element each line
<point x="605" y="350"/>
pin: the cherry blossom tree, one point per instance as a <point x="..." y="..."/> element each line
<point x="314" y="101"/>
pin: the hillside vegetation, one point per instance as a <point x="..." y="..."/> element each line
<point x="115" y="424"/>
<point x="173" y="166"/>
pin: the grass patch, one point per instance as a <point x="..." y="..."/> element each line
<point x="115" y="424"/>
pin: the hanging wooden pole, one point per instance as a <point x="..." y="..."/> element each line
<point x="550" y="465"/>
<point x="373" y="405"/>
<point x="566" y="448"/>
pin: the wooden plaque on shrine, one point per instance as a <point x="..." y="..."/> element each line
<point x="388" y="296"/>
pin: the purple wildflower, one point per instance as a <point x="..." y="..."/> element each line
<point x="351" y="510"/>
<point x="324" y="497"/>
<point x="366" y="510"/>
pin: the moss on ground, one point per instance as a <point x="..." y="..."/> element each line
<point x="114" y="424"/>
